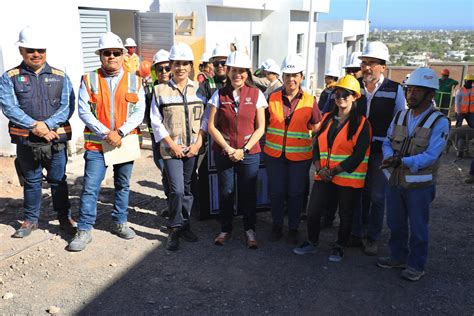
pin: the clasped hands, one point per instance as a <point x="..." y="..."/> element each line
<point x="185" y="152"/>
<point x="113" y="139"/>
<point x="391" y="162"/>
<point x="40" y="129"/>
<point x="235" y="155"/>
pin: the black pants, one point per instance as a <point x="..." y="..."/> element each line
<point x="322" y="196"/>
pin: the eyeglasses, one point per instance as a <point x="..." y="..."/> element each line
<point x="163" y="69"/>
<point x="32" y="50"/>
<point x="108" y="53"/>
<point x="181" y="63"/>
<point x="370" y="64"/>
<point x="219" y="63"/>
<point x="342" y="94"/>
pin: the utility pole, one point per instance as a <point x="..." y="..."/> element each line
<point x="366" y="32"/>
<point x="309" y="44"/>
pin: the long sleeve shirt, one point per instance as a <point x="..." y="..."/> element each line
<point x="98" y="128"/>
<point x="438" y="138"/>
<point x="12" y="110"/>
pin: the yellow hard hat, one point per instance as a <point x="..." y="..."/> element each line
<point x="469" y="77"/>
<point x="349" y="82"/>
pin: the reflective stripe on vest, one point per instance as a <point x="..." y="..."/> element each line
<point x="294" y="139"/>
<point x="467" y="100"/>
<point x="341" y="150"/>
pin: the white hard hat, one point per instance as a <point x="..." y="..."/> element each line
<point x="354" y="61"/>
<point x="220" y="51"/>
<point x="31" y="38"/>
<point x="161" y="56"/>
<point x="238" y="59"/>
<point x="376" y="50"/>
<point x="271" y="66"/>
<point x="292" y="64"/>
<point x="129" y="42"/>
<point x="109" y="40"/>
<point x="332" y="72"/>
<point x="181" y="51"/>
<point x="423" y="77"/>
<point x="205" y="57"/>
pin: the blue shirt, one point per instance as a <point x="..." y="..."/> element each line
<point x="11" y="107"/>
<point x="435" y="148"/>
<point x="85" y="114"/>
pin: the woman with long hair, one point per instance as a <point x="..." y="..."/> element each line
<point x="340" y="154"/>
<point x="236" y="123"/>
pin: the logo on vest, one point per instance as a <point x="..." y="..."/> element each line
<point x="23" y="79"/>
<point x="46" y="80"/>
<point x="248" y="100"/>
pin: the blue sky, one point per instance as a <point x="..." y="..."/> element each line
<point x="426" y="14"/>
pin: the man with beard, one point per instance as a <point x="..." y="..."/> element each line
<point x="414" y="144"/>
<point x="210" y="85"/>
<point x="381" y="100"/>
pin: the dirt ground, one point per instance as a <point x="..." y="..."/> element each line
<point x="114" y="276"/>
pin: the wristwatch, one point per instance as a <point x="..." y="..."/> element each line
<point x="120" y="133"/>
<point x="246" y="150"/>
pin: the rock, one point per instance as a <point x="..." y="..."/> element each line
<point x="7" y="296"/>
<point x="53" y="310"/>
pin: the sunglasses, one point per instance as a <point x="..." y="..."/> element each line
<point x="219" y="63"/>
<point x="342" y="94"/>
<point x="163" y="69"/>
<point x="32" y="50"/>
<point x="108" y="53"/>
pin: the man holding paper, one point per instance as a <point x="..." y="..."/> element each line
<point x="112" y="105"/>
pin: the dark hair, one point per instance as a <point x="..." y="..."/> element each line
<point x="248" y="82"/>
<point x="354" y="120"/>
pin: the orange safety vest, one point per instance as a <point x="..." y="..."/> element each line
<point x="340" y="150"/>
<point x="111" y="115"/>
<point x="467" y="100"/>
<point x="131" y="63"/>
<point x="295" y="138"/>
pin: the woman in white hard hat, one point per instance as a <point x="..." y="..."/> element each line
<point x="340" y="154"/>
<point x="176" y="114"/>
<point x="236" y="123"/>
<point x="292" y="116"/>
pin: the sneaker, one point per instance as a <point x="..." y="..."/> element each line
<point x="251" y="239"/>
<point x="25" y="229"/>
<point x="337" y="253"/>
<point x="277" y="233"/>
<point x="123" y="231"/>
<point x="221" y="239"/>
<point x="80" y="240"/>
<point x="68" y="225"/>
<point x="355" y="242"/>
<point x="306" y="248"/>
<point x="388" y="263"/>
<point x="469" y="179"/>
<point x="411" y="274"/>
<point x="370" y="247"/>
<point x="292" y="237"/>
<point x="172" y="243"/>
<point x="186" y="233"/>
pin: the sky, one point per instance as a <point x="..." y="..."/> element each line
<point x="403" y="14"/>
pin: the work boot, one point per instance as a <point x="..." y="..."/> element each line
<point x="186" y="233"/>
<point x="277" y="233"/>
<point x="292" y="237"/>
<point x="25" y="229"/>
<point x="172" y="243"/>
<point x="411" y="274"/>
<point x="123" y="231"/>
<point x="67" y="225"/>
<point x="80" y="240"/>
<point x="370" y="247"/>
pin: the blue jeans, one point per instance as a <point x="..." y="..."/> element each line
<point x="180" y="199"/>
<point x="94" y="173"/>
<point x="469" y="117"/>
<point x="245" y="173"/>
<point x="32" y="171"/>
<point x="372" y="206"/>
<point x="159" y="162"/>
<point x="403" y="206"/>
<point x="287" y="183"/>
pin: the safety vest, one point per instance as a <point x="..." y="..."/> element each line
<point x="341" y="149"/>
<point x="293" y="137"/>
<point x="112" y="111"/>
<point x="131" y="62"/>
<point x="405" y="146"/>
<point x="467" y="100"/>
<point x="236" y="122"/>
<point x="39" y="96"/>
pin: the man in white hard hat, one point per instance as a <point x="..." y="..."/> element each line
<point x="210" y="85"/>
<point x="353" y="65"/>
<point x="412" y="150"/>
<point x="381" y="99"/>
<point x="111" y="105"/>
<point x="272" y="73"/>
<point x="38" y="100"/>
<point x="331" y="76"/>
<point x="131" y="60"/>
<point x="206" y="68"/>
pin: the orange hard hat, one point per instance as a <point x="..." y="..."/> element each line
<point x="145" y="69"/>
<point x="445" y="72"/>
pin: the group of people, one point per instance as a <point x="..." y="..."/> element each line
<point x="369" y="151"/>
